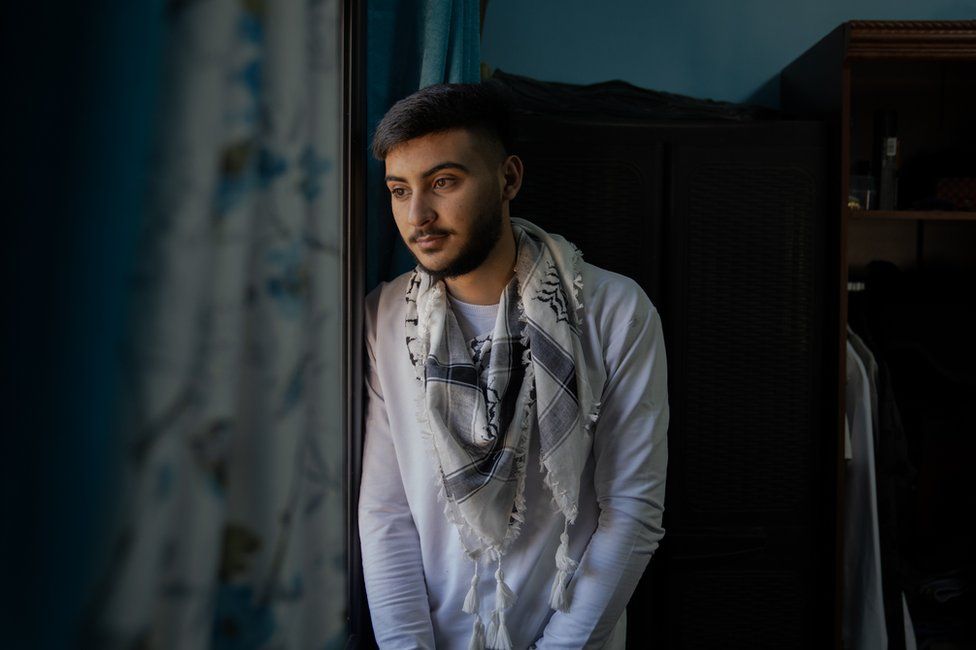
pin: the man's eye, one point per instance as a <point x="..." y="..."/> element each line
<point x="443" y="182"/>
<point x="398" y="192"/>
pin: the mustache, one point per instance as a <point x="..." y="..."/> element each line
<point x="433" y="232"/>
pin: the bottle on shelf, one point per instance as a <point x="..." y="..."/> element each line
<point x="886" y="158"/>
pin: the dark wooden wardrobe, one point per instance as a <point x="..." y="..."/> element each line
<point x="726" y="225"/>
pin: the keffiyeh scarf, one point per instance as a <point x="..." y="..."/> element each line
<point x="480" y="406"/>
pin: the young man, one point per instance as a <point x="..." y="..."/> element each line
<point x="515" y="452"/>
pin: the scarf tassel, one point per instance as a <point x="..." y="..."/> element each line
<point x="504" y="598"/>
<point x="498" y="636"/>
<point x="492" y="636"/>
<point x="477" y="635"/>
<point x="565" y="565"/>
<point x="471" y="604"/>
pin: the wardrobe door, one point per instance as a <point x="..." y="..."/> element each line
<point x="599" y="186"/>
<point x="747" y="559"/>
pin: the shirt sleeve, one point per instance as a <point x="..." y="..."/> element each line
<point x="392" y="564"/>
<point x="630" y="453"/>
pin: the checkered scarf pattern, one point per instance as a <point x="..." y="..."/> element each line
<point x="527" y="379"/>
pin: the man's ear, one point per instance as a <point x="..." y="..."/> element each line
<point x="512" y="171"/>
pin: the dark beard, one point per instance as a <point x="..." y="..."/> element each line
<point x="485" y="234"/>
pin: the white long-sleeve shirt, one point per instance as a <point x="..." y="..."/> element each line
<point x="415" y="568"/>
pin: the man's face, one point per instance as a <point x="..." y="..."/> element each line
<point x="446" y="192"/>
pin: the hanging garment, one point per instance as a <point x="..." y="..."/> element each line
<point x="871" y="366"/>
<point x="909" y="627"/>
<point x="893" y="470"/>
<point x="919" y="324"/>
<point x="864" y="616"/>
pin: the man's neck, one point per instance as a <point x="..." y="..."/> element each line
<point x="485" y="284"/>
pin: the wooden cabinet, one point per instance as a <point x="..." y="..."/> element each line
<point x="722" y="224"/>
<point x="924" y="74"/>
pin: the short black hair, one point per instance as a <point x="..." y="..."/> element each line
<point x="484" y="107"/>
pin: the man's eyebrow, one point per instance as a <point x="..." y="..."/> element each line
<point x="445" y="165"/>
<point x="430" y="172"/>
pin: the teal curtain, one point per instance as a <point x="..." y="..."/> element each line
<point x="411" y="44"/>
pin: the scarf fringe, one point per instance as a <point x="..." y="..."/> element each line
<point x="577" y="284"/>
<point x="569" y="263"/>
<point x="565" y="565"/>
<point x="418" y="348"/>
<point x="521" y="457"/>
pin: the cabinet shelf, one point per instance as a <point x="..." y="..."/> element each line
<point x="910" y="215"/>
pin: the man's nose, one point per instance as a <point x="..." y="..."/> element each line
<point x="420" y="211"/>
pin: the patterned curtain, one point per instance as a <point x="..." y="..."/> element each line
<point x="232" y="533"/>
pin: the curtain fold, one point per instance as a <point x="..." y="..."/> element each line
<point x="231" y="535"/>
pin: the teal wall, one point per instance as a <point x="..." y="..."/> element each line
<point x="715" y="49"/>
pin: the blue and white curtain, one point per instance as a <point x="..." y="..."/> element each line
<point x="232" y="529"/>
